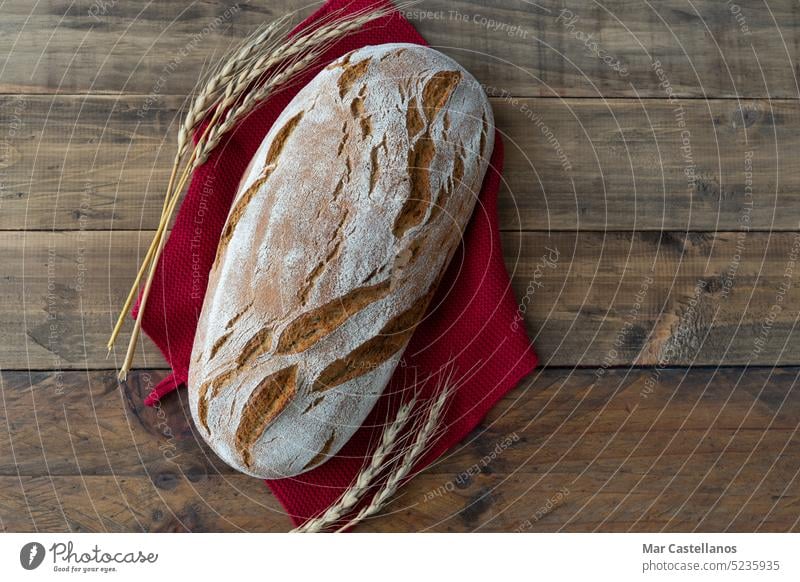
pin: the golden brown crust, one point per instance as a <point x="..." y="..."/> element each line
<point x="345" y="221"/>
<point x="266" y="402"/>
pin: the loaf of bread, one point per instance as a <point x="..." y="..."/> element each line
<point x="341" y="230"/>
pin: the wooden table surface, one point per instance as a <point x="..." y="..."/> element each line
<point x="651" y="224"/>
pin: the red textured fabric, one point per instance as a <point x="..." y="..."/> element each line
<point x="469" y="330"/>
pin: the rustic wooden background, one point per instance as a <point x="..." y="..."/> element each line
<point x="666" y="188"/>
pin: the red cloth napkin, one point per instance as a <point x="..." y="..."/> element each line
<point x="470" y="328"/>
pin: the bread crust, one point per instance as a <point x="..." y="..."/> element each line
<point x="342" y="227"/>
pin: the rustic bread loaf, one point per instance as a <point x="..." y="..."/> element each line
<point x="341" y="230"/>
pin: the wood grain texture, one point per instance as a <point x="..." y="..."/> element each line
<point x="650" y="218"/>
<point x="59" y="298"/>
<point x="568" y="450"/>
<point x="135" y="504"/>
<point x="525" y="48"/>
<point x="615" y="164"/>
<point x="588" y="298"/>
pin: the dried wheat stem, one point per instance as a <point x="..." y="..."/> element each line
<point x="137" y="327"/>
<point x="240" y="65"/>
<point x="160" y="240"/>
<point x="218" y="132"/>
<point x="150" y="260"/>
<point x="154" y="254"/>
<point x="315" y="42"/>
<point x="145" y="263"/>
<point x="400" y="457"/>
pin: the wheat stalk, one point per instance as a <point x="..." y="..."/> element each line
<point x="426" y="436"/>
<point x="422" y="434"/>
<point x="221" y="83"/>
<point x="265" y="63"/>
<point x="351" y="497"/>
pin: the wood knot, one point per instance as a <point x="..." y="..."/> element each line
<point x="166" y="481"/>
<point x="476" y="506"/>
<point x="745" y="116"/>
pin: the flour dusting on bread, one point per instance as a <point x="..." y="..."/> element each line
<point x="342" y="228"/>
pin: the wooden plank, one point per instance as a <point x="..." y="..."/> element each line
<point x="588" y="298"/>
<point x="135" y="504"/>
<point x="609" y="49"/>
<point x="586" y="164"/>
<point x="151" y="48"/>
<point x="84" y="163"/>
<point x="705" y="449"/>
<point x="525" y="48"/>
<point x="87" y="423"/>
<point x="88" y="163"/>
<point x="59" y="298"/>
<point x="605" y="299"/>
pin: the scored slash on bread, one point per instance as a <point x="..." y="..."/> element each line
<point x="342" y="228"/>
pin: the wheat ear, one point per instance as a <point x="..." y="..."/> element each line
<point x="424" y="439"/>
<point x="351" y="497"/>
<point x="402" y="453"/>
<point x="267" y="62"/>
